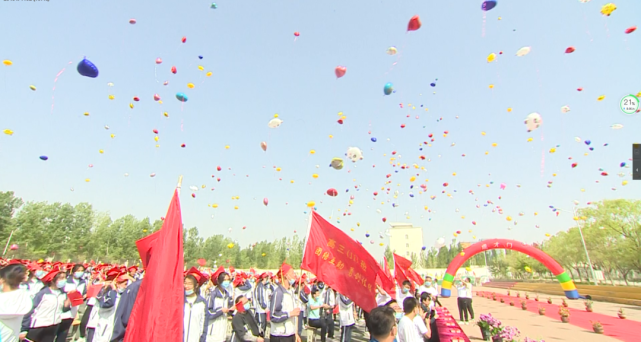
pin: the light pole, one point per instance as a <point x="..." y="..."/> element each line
<point x="587" y="256"/>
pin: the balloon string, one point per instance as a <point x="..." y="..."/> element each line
<point x="53" y="99"/>
<point x="483" y="27"/>
<point x="605" y="23"/>
<point x="587" y="28"/>
<point x="542" y="161"/>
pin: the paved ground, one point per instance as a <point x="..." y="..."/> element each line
<point x="531" y="324"/>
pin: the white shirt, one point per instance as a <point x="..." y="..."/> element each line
<point x="400" y="296"/>
<point x="428" y="289"/>
<point x="464" y="290"/>
<point x="420" y="324"/>
<point x="408" y="331"/>
<point x="382" y="298"/>
<point x="13" y="306"/>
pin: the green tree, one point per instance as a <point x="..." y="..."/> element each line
<point x="9" y="203"/>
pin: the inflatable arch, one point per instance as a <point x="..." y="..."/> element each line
<point x="566" y="282"/>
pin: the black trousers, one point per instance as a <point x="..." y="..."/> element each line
<point x="63" y="330"/>
<point x="319" y="323"/>
<point x="85" y="320"/>
<point x="465" y="308"/>
<point x="43" y="334"/>
<point x="90" y="332"/>
<point x="273" y="338"/>
<point x="261" y="319"/>
<point x="434" y="332"/>
<point x="329" y="322"/>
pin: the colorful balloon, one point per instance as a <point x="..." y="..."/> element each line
<point x="388" y="89"/>
<point x="181" y="97"/>
<point x="87" y="69"/>
<point x="414" y="23"/>
<point x="488" y="5"/>
<point x="263" y="145"/>
<point x="340" y="71"/>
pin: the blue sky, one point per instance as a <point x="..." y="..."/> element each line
<point x="259" y="69"/>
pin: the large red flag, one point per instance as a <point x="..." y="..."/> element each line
<point x="157" y="314"/>
<point x="340" y="262"/>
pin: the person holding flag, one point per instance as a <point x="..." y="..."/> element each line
<point x="284" y="310"/>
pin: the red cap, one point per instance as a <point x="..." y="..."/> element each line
<point x="284" y="268"/>
<point x="214" y="277"/>
<point x="200" y="278"/>
<point x="113" y="274"/>
<point x="232" y="269"/>
<point x="47" y="278"/>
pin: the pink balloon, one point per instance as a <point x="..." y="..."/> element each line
<point x="265" y="201"/>
<point x="340" y="71"/>
<point x="158" y="60"/>
<point x="263" y="145"/>
<point x="332" y="192"/>
<point x="14" y="247"/>
<point x="502" y="186"/>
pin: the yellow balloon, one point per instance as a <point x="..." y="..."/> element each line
<point x="494" y="144"/>
<point x="482" y="133"/>
<point x="8" y="132"/>
<point x="315" y="175"/>
<point x="312" y="152"/>
<point x="111" y="97"/>
<point x="236" y="207"/>
<point x="474" y="237"/>
<point x="131" y="105"/>
<point x="87" y="180"/>
<point x="352" y="229"/>
<point x="331" y="136"/>
<point x="157" y="145"/>
<point x="7" y="62"/>
<point x="600" y="98"/>
<point x="453" y="173"/>
<point x="509" y="218"/>
<point x="278" y="169"/>
<point x="190" y="85"/>
<point x="227" y="147"/>
<point x="156" y="138"/>
<point x="624" y="183"/>
<point x="214" y="205"/>
<point x="547" y="234"/>
<point x="208" y="74"/>
<point x="509" y="109"/>
<point x="86" y="114"/>
<point x="230" y="246"/>
<point x="201" y="68"/>
<point x="159" y="101"/>
<point x="264" y="254"/>
<point x="412" y="179"/>
<point x="468" y="268"/>
<point x="491" y="86"/>
<point x="311" y="204"/>
<point x="462" y="253"/>
<point x="358" y="224"/>
<point x="491" y="57"/>
<point x="203" y="186"/>
<point x="276" y="115"/>
<point x="381" y="244"/>
<point x="165" y="114"/>
<point x="113" y="136"/>
<point x="32" y="87"/>
<point x="529" y="139"/>
<point x="291" y="181"/>
<point x="486" y="153"/>
<point x="351" y="202"/>
<point x="101" y="151"/>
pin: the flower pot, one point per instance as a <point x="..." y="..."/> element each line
<point x="549" y="301"/>
<point x="598" y="330"/>
<point x="565" y="305"/>
<point x="511" y="303"/>
<point x="588" y="309"/>
<point x="502" y="300"/>
<point x="527" y="296"/>
<point x="485" y="333"/>
<point x="542" y="312"/>
<point x="565" y="319"/>
<point x="497" y="339"/>
<point x="523" y="307"/>
<point x="622" y="316"/>
<point x="536" y="299"/>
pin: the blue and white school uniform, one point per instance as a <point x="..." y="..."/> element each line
<point x="218" y="299"/>
<point x="106" y="306"/>
<point x="74" y="284"/>
<point x="195" y="319"/>
<point x="48" y="307"/>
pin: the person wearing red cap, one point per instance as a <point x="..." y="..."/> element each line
<point x="75" y="282"/>
<point x="42" y="322"/>
<point x="195" y="318"/>
<point x="283" y="308"/>
<point x="14" y="302"/>
<point x="261" y="301"/>
<point x="108" y="299"/>
<point x="219" y="303"/>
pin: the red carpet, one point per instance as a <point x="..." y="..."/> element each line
<point x="613" y="326"/>
<point x="448" y="328"/>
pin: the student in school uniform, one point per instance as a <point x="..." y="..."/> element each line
<point x="244" y="325"/>
<point x="347" y="314"/>
<point x="75" y="282"/>
<point x="14" y="302"/>
<point x="219" y="304"/>
<point x="108" y="299"/>
<point x="283" y="310"/>
<point x="195" y="316"/>
<point x="42" y="322"/>
<point x="261" y="300"/>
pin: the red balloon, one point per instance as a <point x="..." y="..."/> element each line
<point x="296" y="33"/>
<point x="265" y="201"/>
<point x="155" y="131"/>
<point x="332" y="192"/>
<point x="193" y="195"/>
<point x="173" y="70"/>
<point x="630" y="29"/>
<point x="219" y="168"/>
<point x="184" y="39"/>
<point x="384" y="219"/>
<point x="375" y="193"/>
<point x="570" y="49"/>
<point x="340" y="71"/>
<point x="340" y="121"/>
<point x="579" y="89"/>
<point x="14" y="247"/>
<point x="458" y="232"/>
<point x="414" y="24"/>
<point x="445" y="184"/>
<point x="182" y="145"/>
<point x="136" y="98"/>
<point x="402" y="125"/>
<point x="202" y="262"/>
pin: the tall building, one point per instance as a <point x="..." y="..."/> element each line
<point x="406" y="239"/>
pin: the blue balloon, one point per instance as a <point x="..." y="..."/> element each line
<point x="87" y="69"/>
<point x="488" y="5"/>
<point x="182" y="97"/>
<point x="433" y="85"/>
<point x="201" y="57"/>
<point x="423" y="248"/>
<point x="44" y="158"/>
<point x="588" y="142"/>
<point x="389" y="87"/>
<point x="373" y="139"/>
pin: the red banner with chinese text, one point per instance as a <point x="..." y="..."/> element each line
<point x="340" y="262"/>
<point x="406" y="271"/>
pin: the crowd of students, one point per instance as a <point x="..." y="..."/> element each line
<point x="46" y="302"/>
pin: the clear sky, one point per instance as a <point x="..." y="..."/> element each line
<point x="260" y="69"/>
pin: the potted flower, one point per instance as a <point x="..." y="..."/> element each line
<point x="524" y="304"/>
<point x="549" y="300"/>
<point x="508" y="292"/>
<point x="565" y="304"/>
<point x="527" y="295"/>
<point x="541" y="311"/>
<point x="518" y="295"/>
<point x="507" y="334"/>
<point x="621" y="314"/>
<point x="502" y="300"/>
<point x="536" y="298"/>
<point x="511" y="303"/>
<point x="486" y="323"/>
<point x="565" y="314"/>
<point x="493" y="295"/>
<point x="597" y="327"/>
<point x="588" y="305"/>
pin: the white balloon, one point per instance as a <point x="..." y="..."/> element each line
<point x="523" y="51"/>
<point x="355" y="154"/>
<point x="273" y="123"/>
<point x="565" y="109"/>
<point x="533" y="121"/>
